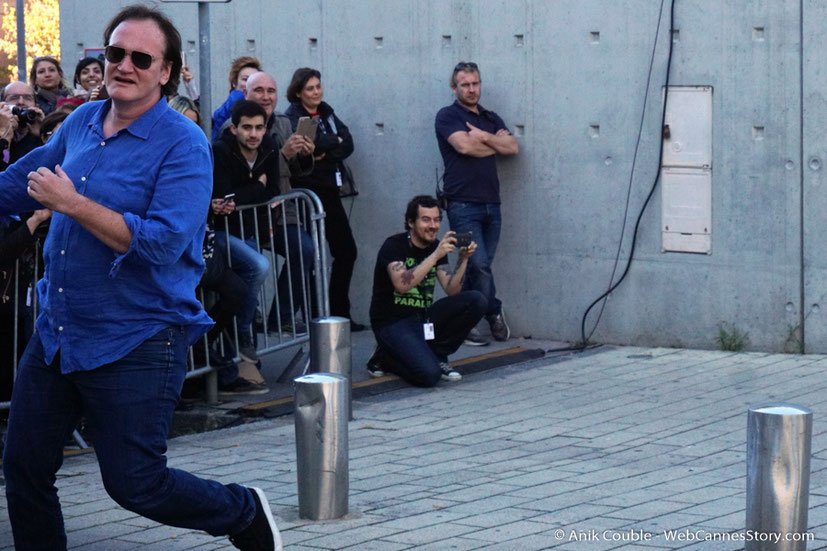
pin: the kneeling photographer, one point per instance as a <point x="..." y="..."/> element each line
<point x="20" y="121"/>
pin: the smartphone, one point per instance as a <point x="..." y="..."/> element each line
<point x="228" y="197"/>
<point x="307" y="127"/>
<point x="464" y="239"/>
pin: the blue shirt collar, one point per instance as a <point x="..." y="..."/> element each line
<point x="141" y="127"/>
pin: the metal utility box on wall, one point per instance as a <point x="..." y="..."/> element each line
<point x="687" y="210"/>
<point x="686" y="174"/>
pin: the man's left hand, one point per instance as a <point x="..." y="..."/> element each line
<point x="34" y="127"/>
<point x="53" y="190"/>
<point x="466" y="252"/>
<point x="476" y="133"/>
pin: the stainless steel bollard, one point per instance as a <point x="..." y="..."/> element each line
<point x="330" y="350"/>
<point x="321" y="445"/>
<point x="778" y="476"/>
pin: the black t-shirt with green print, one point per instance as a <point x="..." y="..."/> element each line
<point x="387" y="305"/>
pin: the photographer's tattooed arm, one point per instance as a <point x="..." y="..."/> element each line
<point x="407" y="275"/>
<point x="451" y="279"/>
<point x="406" y="279"/>
<point x="446" y="271"/>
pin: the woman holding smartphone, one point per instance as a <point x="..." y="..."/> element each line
<point x="333" y="144"/>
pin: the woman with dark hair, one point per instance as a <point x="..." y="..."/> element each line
<point x="51" y="123"/>
<point x="46" y="77"/>
<point x="333" y="144"/>
<point x="88" y="79"/>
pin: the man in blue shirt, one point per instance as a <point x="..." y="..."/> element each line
<point x="129" y="182"/>
<point x="469" y="136"/>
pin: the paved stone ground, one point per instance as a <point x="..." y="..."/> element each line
<point x="630" y="441"/>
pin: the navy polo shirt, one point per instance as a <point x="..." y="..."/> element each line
<point x="467" y="179"/>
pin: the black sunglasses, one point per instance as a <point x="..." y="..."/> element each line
<point x="141" y="60"/>
<point x="466" y="65"/>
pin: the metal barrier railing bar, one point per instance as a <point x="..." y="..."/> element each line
<point x="299" y="213"/>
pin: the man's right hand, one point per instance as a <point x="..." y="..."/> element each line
<point x="37" y="218"/>
<point x="447" y="245"/>
<point x="8" y="123"/>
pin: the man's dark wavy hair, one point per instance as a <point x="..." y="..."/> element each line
<point x="172" y="52"/>
<point x="424" y="201"/>
<point x="247" y="108"/>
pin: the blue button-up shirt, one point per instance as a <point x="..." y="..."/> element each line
<point x="97" y="305"/>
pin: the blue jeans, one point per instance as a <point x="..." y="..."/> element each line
<point x="291" y="280"/>
<point x="252" y="266"/>
<point x="484" y="220"/>
<point x="405" y="350"/>
<point x="128" y="406"/>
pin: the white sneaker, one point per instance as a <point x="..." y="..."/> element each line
<point x="448" y="373"/>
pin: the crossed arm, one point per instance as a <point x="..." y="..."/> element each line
<point x="479" y="143"/>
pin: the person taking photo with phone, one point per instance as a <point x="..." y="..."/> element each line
<point x="414" y="334"/>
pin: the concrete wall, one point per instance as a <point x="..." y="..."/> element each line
<point x="544" y="70"/>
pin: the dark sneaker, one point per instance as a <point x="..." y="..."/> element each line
<point x="301" y="328"/>
<point x="246" y="348"/>
<point x="448" y="373"/>
<point x="262" y="534"/>
<point x="499" y="327"/>
<point x="475" y="339"/>
<point x="356" y="327"/>
<point x="374" y="364"/>
<point x="242" y="387"/>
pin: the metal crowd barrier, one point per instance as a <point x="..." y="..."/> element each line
<point x="312" y="295"/>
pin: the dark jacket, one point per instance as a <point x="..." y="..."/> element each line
<point x="323" y="175"/>
<point x="48" y="101"/>
<point x="278" y="127"/>
<point x="232" y="174"/>
<point x="18" y="243"/>
<point x="19" y="149"/>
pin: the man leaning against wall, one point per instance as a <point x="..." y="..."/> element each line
<point x="469" y="138"/>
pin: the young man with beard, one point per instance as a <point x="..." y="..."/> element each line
<point x="415" y="335"/>
<point x="246" y="172"/>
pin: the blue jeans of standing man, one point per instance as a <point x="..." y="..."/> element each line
<point x="128" y="406"/>
<point x="484" y="220"/>
<point x="251" y="265"/>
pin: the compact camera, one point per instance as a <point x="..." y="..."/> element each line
<point x="464" y="239"/>
<point x="24" y="116"/>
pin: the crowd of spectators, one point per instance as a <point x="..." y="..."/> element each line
<point x="252" y="165"/>
<point x="259" y="153"/>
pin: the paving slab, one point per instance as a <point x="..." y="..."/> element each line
<point x="584" y="451"/>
